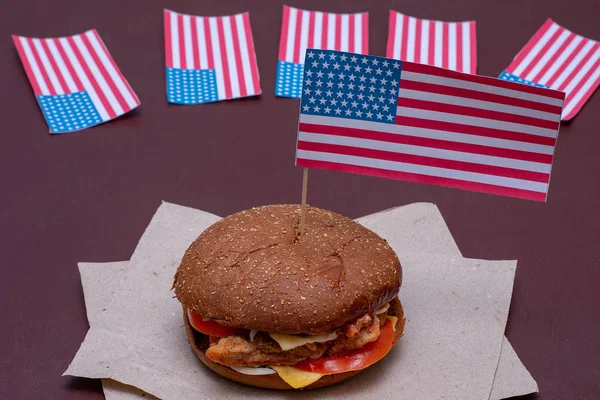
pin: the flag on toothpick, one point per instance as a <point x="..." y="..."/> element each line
<point x="451" y="45"/>
<point x="401" y="120"/>
<point x="559" y="59"/>
<point x="209" y="58"/>
<point x="302" y="29"/>
<point x="75" y="80"/>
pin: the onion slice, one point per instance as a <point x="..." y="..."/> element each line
<point x="254" y="370"/>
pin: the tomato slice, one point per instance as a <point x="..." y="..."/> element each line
<point x="213" y="328"/>
<point x="355" y="360"/>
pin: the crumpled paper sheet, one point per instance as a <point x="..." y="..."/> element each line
<point x="104" y="354"/>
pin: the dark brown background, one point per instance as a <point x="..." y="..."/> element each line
<point x="88" y="196"/>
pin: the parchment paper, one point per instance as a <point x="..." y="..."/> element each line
<point x="171" y="227"/>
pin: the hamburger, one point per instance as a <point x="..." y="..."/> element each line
<point x="268" y="306"/>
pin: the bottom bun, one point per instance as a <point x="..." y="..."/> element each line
<point x="200" y="343"/>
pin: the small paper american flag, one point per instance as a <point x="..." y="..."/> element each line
<point x="413" y="122"/>
<point x="75" y="80"/>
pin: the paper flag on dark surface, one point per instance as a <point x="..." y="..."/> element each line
<point x="302" y="29"/>
<point x="75" y="80"/>
<point x="209" y="58"/>
<point x="377" y="116"/>
<point x="450" y="45"/>
<point x="559" y="59"/>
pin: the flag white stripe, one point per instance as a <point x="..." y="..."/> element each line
<point x="358" y="25"/>
<point x="60" y="63"/>
<point x="304" y="30"/>
<point x="428" y="133"/>
<point x="452" y="44"/>
<point x="573" y="64"/>
<point x="535" y="50"/>
<point x="291" y="34"/>
<point x="202" y="49"/>
<point x="450" y="82"/>
<point x="424" y="170"/>
<point x="424" y="59"/>
<point x="216" y="47"/>
<point x="547" y="55"/>
<point x="330" y="32"/>
<point x="187" y="42"/>
<point x="411" y="40"/>
<point x="87" y="85"/>
<point x="474" y="121"/>
<point x="112" y="72"/>
<point x="581" y="92"/>
<point x="425" y="152"/>
<point x="230" y="55"/>
<point x="398" y="36"/>
<point x="241" y="32"/>
<point x="561" y="59"/>
<point x="47" y="66"/>
<point x="480" y="104"/>
<point x="318" y="30"/>
<point x="175" y="41"/>
<point x="97" y="76"/>
<point x="438" y="43"/>
<point x="466" y="41"/>
<point x="35" y="68"/>
<point x="345" y="32"/>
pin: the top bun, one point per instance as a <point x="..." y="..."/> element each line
<point x="253" y="270"/>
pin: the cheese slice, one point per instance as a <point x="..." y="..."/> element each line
<point x="394" y="321"/>
<point x="296" y="378"/>
<point x="288" y="342"/>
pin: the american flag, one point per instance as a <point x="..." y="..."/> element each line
<point x="209" y="58"/>
<point x="75" y="80"/>
<point x="450" y="45"/>
<point x="414" y="122"/>
<point x="559" y="59"/>
<point x="302" y="29"/>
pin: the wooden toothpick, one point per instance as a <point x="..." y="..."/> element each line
<point x="303" y="207"/>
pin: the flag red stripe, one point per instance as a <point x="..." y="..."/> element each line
<point x="168" y="50"/>
<point x="459" y="48"/>
<point x="565" y="63"/>
<point x="365" y="34"/>
<point x="425" y="161"/>
<point x="579" y="66"/>
<point x="532" y="42"/>
<point x="475" y="95"/>
<point x="209" y="44"/>
<point x="72" y="72"/>
<point x="473" y="41"/>
<point x="338" y="32"/>
<point x="111" y="84"/>
<point x="195" y="48"/>
<point x="403" y="50"/>
<point x="61" y="80"/>
<point x="418" y="40"/>
<point x="432" y="180"/>
<point x="311" y="29"/>
<point x="111" y="112"/>
<point x="391" y="35"/>
<point x="224" y="61"/>
<point x="476" y="112"/>
<point x="251" y="54"/>
<point x="284" y="32"/>
<point x="541" y="53"/>
<point x="238" y="55"/>
<point x="431" y="57"/>
<point x="26" y="65"/>
<point x="577" y="88"/>
<point x="297" y="37"/>
<point x="112" y="61"/>
<point x="445" y="45"/>
<point x="552" y="60"/>
<point x="446" y="73"/>
<point x="426" y="142"/>
<point x="43" y="71"/>
<point x="474" y="130"/>
<point x="181" y="43"/>
<point x="351" y="33"/>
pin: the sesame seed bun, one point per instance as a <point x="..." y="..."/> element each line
<point x="253" y="270"/>
<point x="200" y="343"/>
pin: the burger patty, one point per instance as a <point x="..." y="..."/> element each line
<point x="238" y="351"/>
